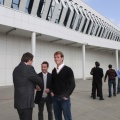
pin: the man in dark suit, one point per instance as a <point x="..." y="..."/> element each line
<point x="44" y="95"/>
<point x="91" y="72"/>
<point x="25" y="80"/>
<point x="97" y="73"/>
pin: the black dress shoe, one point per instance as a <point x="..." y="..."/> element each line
<point x="114" y="95"/>
<point x="94" y="97"/>
<point x="101" y="99"/>
<point x="109" y="96"/>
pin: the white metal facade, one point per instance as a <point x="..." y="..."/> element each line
<point x="65" y="26"/>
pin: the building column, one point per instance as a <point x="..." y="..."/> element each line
<point x="116" y="53"/>
<point x="83" y="61"/>
<point x="33" y="45"/>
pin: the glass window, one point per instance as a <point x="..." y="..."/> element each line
<point x="51" y="10"/>
<point x="97" y="30"/>
<point x="67" y="15"/>
<point x="111" y="36"/>
<point x="59" y="13"/>
<point x="84" y="25"/>
<point x="80" y="18"/>
<point x="100" y="32"/>
<point x="29" y="5"/>
<point x="79" y="21"/>
<point x="88" y="27"/>
<point x="93" y="28"/>
<point x="15" y="4"/>
<point x="103" y="33"/>
<point x="2" y="2"/>
<point x="73" y="19"/>
<point x="41" y="8"/>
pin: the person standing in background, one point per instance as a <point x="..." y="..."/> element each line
<point x="91" y="72"/>
<point x="97" y="80"/>
<point x="111" y="73"/>
<point x="118" y="87"/>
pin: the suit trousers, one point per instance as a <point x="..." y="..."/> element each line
<point x="25" y="114"/>
<point x="41" y="109"/>
<point x="97" y="85"/>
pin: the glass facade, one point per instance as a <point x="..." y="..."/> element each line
<point x="51" y="10"/>
<point x="59" y="13"/>
<point x="77" y="16"/>
<point x="2" y="2"/>
<point x="29" y="5"/>
<point x="67" y="15"/>
<point x="15" y="4"/>
<point x="73" y="19"/>
<point x="79" y="20"/>
<point x="41" y="8"/>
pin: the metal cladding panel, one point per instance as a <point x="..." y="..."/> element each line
<point x="8" y="3"/>
<point x="96" y="26"/>
<point x="46" y="8"/>
<point x="113" y="36"/>
<point x="98" y="31"/>
<point x="35" y="7"/>
<point x="55" y="12"/>
<point x="102" y="32"/>
<point x="63" y="16"/>
<point x="107" y="34"/>
<point x="70" y="19"/>
<point x="110" y="35"/>
<point x="82" y="23"/>
<point x="22" y="5"/>
<point x="76" y="21"/>
<point x="86" y="26"/>
<point x="90" y="28"/>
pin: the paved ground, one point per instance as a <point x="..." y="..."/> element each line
<point x="83" y="107"/>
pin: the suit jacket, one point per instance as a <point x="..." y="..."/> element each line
<point x="24" y="80"/>
<point x="97" y="74"/>
<point x="40" y="93"/>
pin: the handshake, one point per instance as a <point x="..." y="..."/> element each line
<point x="39" y="89"/>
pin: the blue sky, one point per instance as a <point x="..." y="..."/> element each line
<point x="108" y="8"/>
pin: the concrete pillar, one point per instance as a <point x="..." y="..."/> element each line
<point x="33" y="45"/>
<point x="116" y="53"/>
<point x="83" y="61"/>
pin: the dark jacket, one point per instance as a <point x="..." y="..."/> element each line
<point x="97" y="74"/>
<point x="111" y="73"/>
<point x="39" y="94"/>
<point x="25" y="79"/>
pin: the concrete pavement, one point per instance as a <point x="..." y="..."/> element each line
<point x="83" y="107"/>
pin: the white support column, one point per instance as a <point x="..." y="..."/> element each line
<point x="116" y="53"/>
<point x="33" y="44"/>
<point x="83" y="61"/>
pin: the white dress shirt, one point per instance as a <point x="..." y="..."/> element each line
<point x="59" y="68"/>
<point x="45" y="83"/>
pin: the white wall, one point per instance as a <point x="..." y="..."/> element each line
<point x="105" y="58"/>
<point x="12" y="47"/>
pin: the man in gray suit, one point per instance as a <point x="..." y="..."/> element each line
<point x="25" y="81"/>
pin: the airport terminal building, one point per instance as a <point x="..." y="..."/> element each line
<point x="43" y="27"/>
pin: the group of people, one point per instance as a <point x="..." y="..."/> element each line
<point x="97" y="74"/>
<point x="53" y="89"/>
